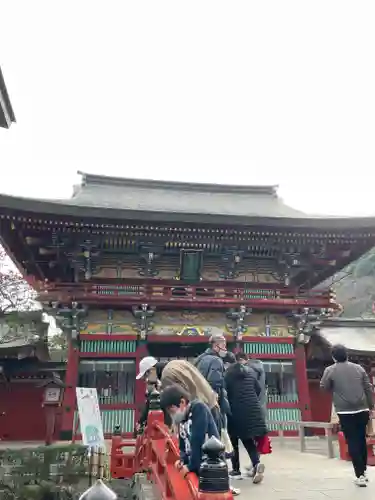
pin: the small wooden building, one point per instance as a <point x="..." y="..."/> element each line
<point x="25" y="367"/>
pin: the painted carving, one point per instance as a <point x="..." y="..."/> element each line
<point x="238" y="317"/>
<point x="263" y="325"/>
<point x="27" y="333"/>
<point x="167" y="271"/>
<point x="143" y="315"/>
<point x="148" y="264"/>
<point x="110" y="322"/>
<point x="240" y="276"/>
<point x="191" y="331"/>
<point x="190" y="316"/>
<point x="71" y="318"/>
<point x="187" y="323"/>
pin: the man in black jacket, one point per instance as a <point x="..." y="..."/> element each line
<point x="246" y="421"/>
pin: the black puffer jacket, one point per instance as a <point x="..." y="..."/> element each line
<point x="247" y="418"/>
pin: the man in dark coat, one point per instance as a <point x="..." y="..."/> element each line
<point x="211" y="365"/>
<point x="260" y="375"/>
<point x="246" y="421"/>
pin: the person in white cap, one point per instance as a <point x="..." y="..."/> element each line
<point x="147" y="367"/>
<point x="150" y="370"/>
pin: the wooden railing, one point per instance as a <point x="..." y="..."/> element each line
<point x="156" y="459"/>
<point x="179" y="293"/>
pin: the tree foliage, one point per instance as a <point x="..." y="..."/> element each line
<point x="58" y="341"/>
<point x="355" y="287"/>
<point x="15" y="293"/>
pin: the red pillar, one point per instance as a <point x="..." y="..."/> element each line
<point x="69" y="400"/>
<point x="302" y="383"/>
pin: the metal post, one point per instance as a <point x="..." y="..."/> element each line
<point x="301" y="434"/>
<point x="331" y="452"/>
<point x="213" y="473"/>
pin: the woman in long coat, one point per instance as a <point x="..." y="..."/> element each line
<point x="247" y="420"/>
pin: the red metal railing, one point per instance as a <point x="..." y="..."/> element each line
<point x="157" y="454"/>
<point x="196" y="295"/>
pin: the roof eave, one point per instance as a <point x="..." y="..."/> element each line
<point x="7" y="116"/>
<point x="40" y="207"/>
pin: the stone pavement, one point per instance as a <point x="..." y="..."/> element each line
<point x="292" y="475"/>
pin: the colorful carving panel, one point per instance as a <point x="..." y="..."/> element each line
<point x="189" y="323"/>
<point x="279" y="326"/>
<point x="264" y="325"/>
<point x="110" y="322"/>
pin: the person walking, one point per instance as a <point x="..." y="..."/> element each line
<point x="353" y="400"/>
<point x="246" y="421"/>
<point x="257" y="366"/>
<point x="211" y="365"/>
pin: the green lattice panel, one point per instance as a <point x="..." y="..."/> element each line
<point x="251" y="294"/>
<point x="284" y="415"/>
<point x="282" y="398"/>
<point x="268" y="348"/>
<point x="111" y="418"/>
<point x="108" y="346"/>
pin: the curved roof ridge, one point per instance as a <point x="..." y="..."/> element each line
<point x="94" y="179"/>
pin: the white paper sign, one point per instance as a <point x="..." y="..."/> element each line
<point x="89" y="417"/>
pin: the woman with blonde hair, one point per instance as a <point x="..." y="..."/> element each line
<point x="182" y="373"/>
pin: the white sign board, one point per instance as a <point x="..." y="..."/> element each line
<point x="89" y="417"/>
<point x="52" y="394"/>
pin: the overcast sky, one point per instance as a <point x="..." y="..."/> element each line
<point x="253" y="92"/>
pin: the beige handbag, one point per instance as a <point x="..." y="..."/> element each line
<point x="225" y="439"/>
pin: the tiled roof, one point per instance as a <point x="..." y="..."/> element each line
<point x="179" y="197"/>
<point x="136" y="200"/>
<point x="356" y="335"/>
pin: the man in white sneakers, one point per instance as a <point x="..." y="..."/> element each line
<point x="353" y="400"/>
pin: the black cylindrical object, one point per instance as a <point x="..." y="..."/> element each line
<point x="154" y="400"/>
<point x="213" y="473"/>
